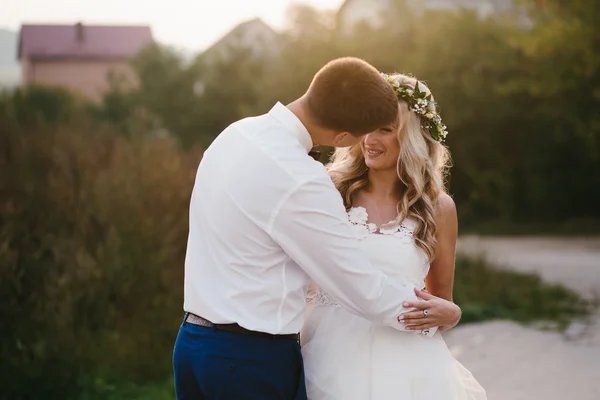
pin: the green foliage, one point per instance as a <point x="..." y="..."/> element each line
<point x="118" y="388"/>
<point x="192" y="101"/>
<point x="484" y="292"/>
<point x="40" y="104"/>
<point x="92" y="241"/>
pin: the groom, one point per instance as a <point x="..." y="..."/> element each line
<point x="265" y="219"/>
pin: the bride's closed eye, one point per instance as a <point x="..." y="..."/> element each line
<point x="387" y="129"/>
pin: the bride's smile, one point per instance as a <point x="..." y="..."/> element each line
<point x="380" y="148"/>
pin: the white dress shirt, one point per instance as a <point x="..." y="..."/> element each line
<point x="265" y="219"/>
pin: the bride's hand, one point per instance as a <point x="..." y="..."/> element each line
<point x="440" y="312"/>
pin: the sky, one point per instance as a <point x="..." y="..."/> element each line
<point x="190" y="25"/>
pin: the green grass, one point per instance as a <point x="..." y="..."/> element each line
<point x="577" y="227"/>
<point x="484" y="293"/>
<point x="111" y="388"/>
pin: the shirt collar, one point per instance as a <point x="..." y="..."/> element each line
<point x="288" y="119"/>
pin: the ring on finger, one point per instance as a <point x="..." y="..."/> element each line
<point x="425" y="313"/>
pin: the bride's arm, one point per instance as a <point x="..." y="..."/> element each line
<point x="440" y="279"/>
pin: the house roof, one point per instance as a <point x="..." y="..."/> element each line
<point x="82" y="41"/>
<point x="343" y="6"/>
<point x="242" y="32"/>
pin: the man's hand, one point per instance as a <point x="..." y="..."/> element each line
<point x="430" y="312"/>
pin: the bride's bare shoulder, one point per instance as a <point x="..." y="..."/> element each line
<point x="446" y="203"/>
<point x="446" y="215"/>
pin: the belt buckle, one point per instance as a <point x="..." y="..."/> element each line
<point x="195" y="320"/>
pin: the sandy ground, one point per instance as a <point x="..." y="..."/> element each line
<point x="514" y="362"/>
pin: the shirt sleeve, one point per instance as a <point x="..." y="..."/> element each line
<point x="312" y="227"/>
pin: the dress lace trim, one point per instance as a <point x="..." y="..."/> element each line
<point x="320" y="298"/>
<point x="359" y="217"/>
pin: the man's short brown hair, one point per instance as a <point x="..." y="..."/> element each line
<point x="349" y="95"/>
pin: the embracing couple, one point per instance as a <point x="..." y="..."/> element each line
<point x="284" y="252"/>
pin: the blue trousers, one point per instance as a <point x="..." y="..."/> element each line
<point x="218" y="365"/>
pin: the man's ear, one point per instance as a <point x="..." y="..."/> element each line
<point x="343" y="139"/>
<point x="339" y="138"/>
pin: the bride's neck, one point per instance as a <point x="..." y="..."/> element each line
<point x="384" y="186"/>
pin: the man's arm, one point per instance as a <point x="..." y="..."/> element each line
<point x="311" y="226"/>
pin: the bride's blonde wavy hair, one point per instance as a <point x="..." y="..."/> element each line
<point x="422" y="167"/>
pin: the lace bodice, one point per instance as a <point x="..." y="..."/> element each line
<point x="359" y="217"/>
<point x="390" y="248"/>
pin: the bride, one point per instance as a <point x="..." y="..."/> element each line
<point x="392" y="184"/>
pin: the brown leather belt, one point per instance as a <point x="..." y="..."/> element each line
<point x="235" y="328"/>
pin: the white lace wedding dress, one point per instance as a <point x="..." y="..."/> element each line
<point x="349" y="358"/>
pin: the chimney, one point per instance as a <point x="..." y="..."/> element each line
<point x="79" y="32"/>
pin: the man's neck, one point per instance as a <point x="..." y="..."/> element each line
<point x="300" y="109"/>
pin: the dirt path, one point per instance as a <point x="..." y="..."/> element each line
<point x="518" y="363"/>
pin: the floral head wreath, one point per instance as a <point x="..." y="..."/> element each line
<point x="420" y="102"/>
